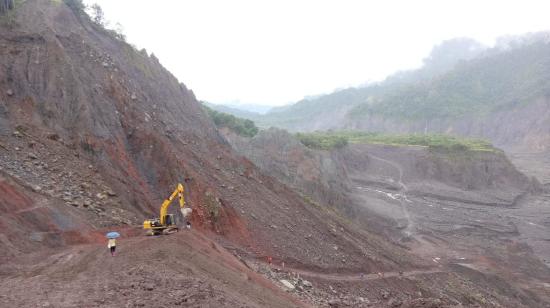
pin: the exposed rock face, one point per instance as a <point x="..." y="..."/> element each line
<point x="318" y="174"/>
<point x="53" y="65"/>
<point x="517" y="128"/>
<point x="469" y="171"/>
<point x="403" y="184"/>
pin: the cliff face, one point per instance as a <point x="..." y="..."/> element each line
<point x="317" y="174"/>
<point x="483" y="177"/>
<point x="517" y="128"/>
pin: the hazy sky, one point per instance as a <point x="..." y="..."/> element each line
<point x="275" y="52"/>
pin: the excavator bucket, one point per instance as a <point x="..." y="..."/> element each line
<point x="186" y="212"/>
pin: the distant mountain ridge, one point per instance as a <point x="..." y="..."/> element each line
<point x="248" y="111"/>
<point x="463" y="88"/>
<point x="261" y="109"/>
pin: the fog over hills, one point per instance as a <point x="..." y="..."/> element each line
<point x="461" y="81"/>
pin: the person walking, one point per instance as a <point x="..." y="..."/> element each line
<point x="111" y="244"/>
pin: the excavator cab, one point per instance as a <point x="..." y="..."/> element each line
<point x="170" y="220"/>
<point x="166" y="224"/>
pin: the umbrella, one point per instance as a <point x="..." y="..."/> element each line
<point x="113" y="235"/>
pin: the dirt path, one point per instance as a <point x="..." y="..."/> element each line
<point x="362" y="277"/>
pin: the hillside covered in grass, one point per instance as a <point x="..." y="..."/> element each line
<point x="338" y="139"/>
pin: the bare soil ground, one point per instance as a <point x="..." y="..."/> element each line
<point x="184" y="269"/>
<point x="507" y="240"/>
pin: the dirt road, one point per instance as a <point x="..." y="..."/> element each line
<point x="181" y="269"/>
<point x="365" y="277"/>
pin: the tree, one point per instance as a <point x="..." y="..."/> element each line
<point x="97" y="14"/>
<point x="118" y="32"/>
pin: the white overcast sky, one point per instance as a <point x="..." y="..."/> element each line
<point x="276" y="52"/>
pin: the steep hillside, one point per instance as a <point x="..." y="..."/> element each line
<point x="314" y="174"/>
<point x="325" y="111"/>
<point x="479" y="86"/>
<point x="499" y="94"/>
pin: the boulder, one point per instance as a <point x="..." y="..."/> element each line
<point x="287" y="284"/>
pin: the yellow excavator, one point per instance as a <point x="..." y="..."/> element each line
<point x="166" y="224"/>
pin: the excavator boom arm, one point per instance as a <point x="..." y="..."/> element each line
<point x="166" y="204"/>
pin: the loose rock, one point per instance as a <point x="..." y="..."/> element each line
<point x="287" y="284"/>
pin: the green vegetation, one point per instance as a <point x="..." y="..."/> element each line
<point x="499" y="81"/>
<point x="322" y="140"/>
<point x="242" y="127"/>
<point x="438" y="142"/>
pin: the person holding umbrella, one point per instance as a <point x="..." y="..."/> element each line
<point x="111" y="243"/>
